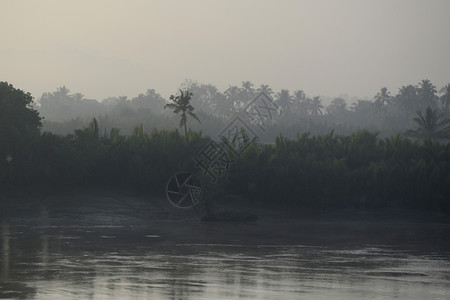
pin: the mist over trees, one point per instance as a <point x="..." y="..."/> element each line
<point x="308" y="169"/>
<point x="388" y="112"/>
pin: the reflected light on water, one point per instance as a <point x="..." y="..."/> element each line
<point x="5" y="250"/>
<point x="79" y="263"/>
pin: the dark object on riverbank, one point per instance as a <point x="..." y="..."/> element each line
<point x="230" y="216"/>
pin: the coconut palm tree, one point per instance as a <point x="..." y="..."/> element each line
<point x="432" y="125"/>
<point x="232" y="94"/>
<point x="407" y="99"/>
<point x="299" y="95"/>
<point x="445" y="98"/>
<point x="62" y="92"/>
<point x="284" y="100"/>
<point x="266" y="89"/>
<point x="427" y="93"/>
<point x="337" y="108"/>
<point x="315" y="106"/>
<point x="248" y="90"/>
<point x="301" y="102"/>
<point x="382" y="99"/>
<point x="181" y="105"/>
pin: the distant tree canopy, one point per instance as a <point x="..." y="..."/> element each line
<point x="315" y="170"/>
<point x="388" y="112"/>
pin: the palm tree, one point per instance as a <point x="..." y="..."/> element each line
<point x="299" y="95"/>
<point x="382" y="99"/>
<point x="445" y="98"/>
<point x="266" y="89"/>
<point x="427" y="93"/>
<point x="62" y="92"/>
<point x="232" y="95"/>
<point x="248" y="90"/>
<point x="181" y="104"/>
<point x="431" y="126"/>
<point x="407" y="99"/>
<point x="337" y="108"/>
<point x="301" y="102"/>
<point x="315" y="106"/>
<point x="284" y="100"/>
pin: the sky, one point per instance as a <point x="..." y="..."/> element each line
<point x="124" y="47"/>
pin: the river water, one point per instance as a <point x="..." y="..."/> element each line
<point x="190" y="260"/>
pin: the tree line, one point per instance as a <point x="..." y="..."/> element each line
<point x="325" y="171"/>
<point x="386" y="113"/>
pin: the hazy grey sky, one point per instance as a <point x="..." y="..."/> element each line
<point x="324" y="47"/>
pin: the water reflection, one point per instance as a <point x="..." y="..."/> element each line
<point x="10" y="287"/>
<point x="76" y="262"/>
<point x="44" y="251"/>
<point x="5" y="250"/>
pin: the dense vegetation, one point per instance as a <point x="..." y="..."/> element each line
<point x="323" y="171"/>
<point x="386" y="113"/>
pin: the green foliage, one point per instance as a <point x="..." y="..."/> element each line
<point x="317" y="168"/>
<point x="312" y="171"/>
<point x="360" y="170"/>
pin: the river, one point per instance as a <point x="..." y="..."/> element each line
<point x="138" y="262"/>
<point x="116" y="247"/>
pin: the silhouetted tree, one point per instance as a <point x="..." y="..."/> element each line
<point x="151" y="101"/>
<point x="19" y="127"/>
<point x="337" y="108"/>
<point x="266" y="89"/>
<point x="181" y="105"/>
<point x="301" y="103"/>
<point x="284" y="100"/>
<point x="432" y="125"/>
<point x="315" y="106"/>
<point x="62" y="106"/>
<point x="232" y="94"/>
<point x="382" y="99"/>
<point x="445" y="98"/>
<point x="427" y="94"/>
<point x="62" y="91"/>
<point x="407" y="99"/>
<point x="248" y="91"/>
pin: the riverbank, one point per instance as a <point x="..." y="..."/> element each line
<point x="128" y="215"/>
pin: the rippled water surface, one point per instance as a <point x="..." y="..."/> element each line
<point x="101" y="262"/>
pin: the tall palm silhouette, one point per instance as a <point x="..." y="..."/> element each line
<point x="181" y="105"/>
<point x="62" y="92"/>
<point x="382" y="99"/>
<point x="266" y="89"/>
<point x="432" y="125"/>
<point x="427" y="93"/>
<point x="407" y="99"/>
<point x="315" y="106"/>
<point x="301" y="102"/>
<point x="284" y="100"/>
<point x="248" y="90"/>
<point x="232" y="94"/>
<point x="445" y="98"/>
